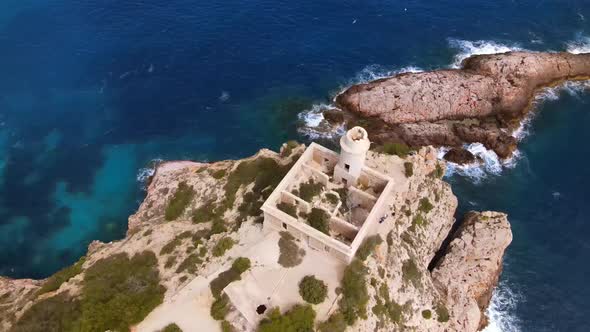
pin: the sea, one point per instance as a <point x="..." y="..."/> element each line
<point x="93" y="93"/>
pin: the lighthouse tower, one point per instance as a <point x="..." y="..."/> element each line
<point x="353" y="151"/>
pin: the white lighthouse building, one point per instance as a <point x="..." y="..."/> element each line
<point x="353" y="151"/>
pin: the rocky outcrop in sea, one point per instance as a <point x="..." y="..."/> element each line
<point x="484" y="101"/>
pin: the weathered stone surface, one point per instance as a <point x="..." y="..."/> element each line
<point x="459" y="156"/>
<point x="469" y="270"/>
<point x="431" y="107"/>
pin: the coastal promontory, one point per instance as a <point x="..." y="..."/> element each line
<point x="197" y="258"/>
<point x="484" y="101"/>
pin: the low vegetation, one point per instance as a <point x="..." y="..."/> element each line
<point x="368" y="246"/>
<point x="288" y="208"/>
<point x="220" y="307"/>
<point x="219" y="174"/>
<point x="408" y="169"/>
<point x="55" y="281"/>
<point x="189" y="264"/>
<point x="332" y="198"/>
<point x="289" y="146"/>
<point x="313" y="290"/>
<point x="169" y="247"/>
<point x="425" y="205"/>
<point x="398" y="149"/>
<point x="438" y="172"/>
<point x="310" y="189"/>
<point x="355" y="295"/>
<point x="171" y="328"/>
<point x="222" y="246"/>
<point x="411" y="273"/>
<point x="180" y="200"/>
<point x="290" y="253"/>
<point x="204" y="213"/>
<point x="117" y="292"/>
<point x="335" y="323"/>
<point x="320" y="220"/>
<point x="299" y="319"/>
<point x="225" y="278"/>
<point x="442" y="313"/>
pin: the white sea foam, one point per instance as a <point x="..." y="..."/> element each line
<point x="489" y="165"/>
<point x="312" y="123"/>
<point x="581" y="44"/>
<point x="468" y="48"/>
<point x="501" y="310"/>
<point x="311" y="120"/>
<point x="145" y="173"/>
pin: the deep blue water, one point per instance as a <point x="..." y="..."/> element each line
<point x="92" y="91"/>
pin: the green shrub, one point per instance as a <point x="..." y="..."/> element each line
<point x="226" y="326"/>
<point x="119" y="292"/>
<point x="368" y="246"/>
<point x="55" y="281"/>
<point x="332" y="198"/>
<point x="411" y="273"/>
<point x="204" y="213"/>
<point x="313" y="290"/>
<point x="148" y="232"/>
<point x="227" y="277"/>
<point x="438" y="172"/>
<point x="335" y="323"/>
<point x="394" y="311"/>
<point x="218" y="174"/>
<point x="355" y="295"/>
<point x="170" y="262"/>
<point x="343" y="193"/>
<point x="408" y="169"/>
<point x="398" y="149"/>
<point x="171" y="328"/>
<point x="241" y="265"/>
<point x="222" y="246"/>
<point x="288" y="208"/>
<point x="425" y="205"/>
<point x="427" y="314"/>
<point x="290" y="145"/>
<point x="264" y="172"/>
<point x="418" y="221"/>
<point x="169" y="247"/>
<point x="57" y="313"/>
<point x="290" y="254"/>
<point x="203" y="251"/>
<point x="218" y="226"/>
<point x="180" y="200"/>
<point x="442" y="313"/>
<point x="189" y="264"/>
<point x="299" y="319"/>
<point x="319" y="220"/>
<point x="310" y="189"/>
<point x="220" y="308"/>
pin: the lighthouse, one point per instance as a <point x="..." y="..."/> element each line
<point x="353" y="151"/>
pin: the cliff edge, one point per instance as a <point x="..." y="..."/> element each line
<point x="196" y="255"/>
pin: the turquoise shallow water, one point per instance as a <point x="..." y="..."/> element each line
<point x="91" y="92"/>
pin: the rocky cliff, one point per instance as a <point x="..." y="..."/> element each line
<point x="483" y="101"/>
<point x="161" y="272"/>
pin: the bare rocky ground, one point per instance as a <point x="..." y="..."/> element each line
<point x="415" y="283"/>
<point x="483" y="102"/>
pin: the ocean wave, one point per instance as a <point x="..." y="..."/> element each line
<point x="145" y="173"/>
<point x="375" y="72"/>
<point x="581" y="44"/>
<point x="489" y="165"/>
<point x="313" y="126"/>
<point x="468" y="48"/>
<point x="501" y="310"/>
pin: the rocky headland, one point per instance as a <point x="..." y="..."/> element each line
<point x="484" y="101"/>
<point x="199" y="228"/>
